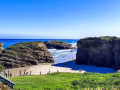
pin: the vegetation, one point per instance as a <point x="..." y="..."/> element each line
<point x="106" y="38"/>
<point x="22" y="45"/>
<point x="68" y="81"/>
<point x="1" y="68"/>
<point x="0" y="43"/>
<point x="55" y="41"/>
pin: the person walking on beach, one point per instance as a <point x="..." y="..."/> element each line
<point x="24" y="71"/>
<point x="80" y="70"/>
<point x="5" y="73"/>
<point x="10" y="74"/>
<point x="64" y="57"/>
<point x="27" y="73"/>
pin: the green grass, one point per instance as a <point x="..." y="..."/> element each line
<point x="106" y="38"/>
<point x="55" y="41"/>
<point x="66" y="81"/>
<point x="23" y="45"/>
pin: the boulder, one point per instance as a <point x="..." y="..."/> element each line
<point x="25" y="54"/>
<point x="99" y="51"/>
<point x="58" y="45"/>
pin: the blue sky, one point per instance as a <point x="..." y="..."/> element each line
<point x="59" y="19"/>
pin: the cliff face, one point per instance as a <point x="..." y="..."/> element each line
<point x="58" y="45"/>
<point x="1" y="47"/>
<point x="24" y="54"/>
<point x="99" y="51"/>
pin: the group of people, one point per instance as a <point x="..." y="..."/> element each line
<point x="5" y="73"/>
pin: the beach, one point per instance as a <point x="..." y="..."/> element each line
<point x="67" y="66"/>
<point x="44" y="68"/>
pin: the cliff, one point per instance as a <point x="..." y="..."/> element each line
<point x="58" y="45"/>
<point x="24" y="54"/>
<point x="99" y="51"/>
<point x="1" y="47"/>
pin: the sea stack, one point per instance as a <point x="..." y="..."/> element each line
<point x="25" y="54"/>
<point x="1" y="47"/>
<point x="58" y="45"/>
<point x="99" y="51"/>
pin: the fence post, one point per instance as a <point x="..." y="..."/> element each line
<point x="49" y="71"/>
<point x="8" y="73"/>
<point x="20" y="72"/>
<point x="40" y="72"/>
<point x="30" y="72"/>
<point x="57" y="70"/>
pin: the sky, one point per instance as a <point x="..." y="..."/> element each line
<point x="59" y="19"/>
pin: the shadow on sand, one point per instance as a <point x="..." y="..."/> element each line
<point x="87" y="68"/>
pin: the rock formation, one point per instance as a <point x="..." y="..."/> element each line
<point x="99" y="51"/>
<point x="58" y="45"/>
<point x="24" y="54"/>
<point x="1" y="47"/>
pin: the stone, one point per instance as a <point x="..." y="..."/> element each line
<point x="25" y="54"/>
<point x="99" y="51"/>
<point x="58" y="45"/>
<point x="1" y="48"/>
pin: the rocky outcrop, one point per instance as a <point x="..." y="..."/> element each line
<point x="25" y="54"/>
<point x="58" y="45"/>
<point x="99" y="51"/>
<point x="1" y="47"/>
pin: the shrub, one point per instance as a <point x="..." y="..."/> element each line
<point x="75" y="82"/>
<point x="1" y="68"/>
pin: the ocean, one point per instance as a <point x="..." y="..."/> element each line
<point x="57" y="53"/>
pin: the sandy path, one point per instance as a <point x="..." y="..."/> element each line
<point x="44" y="68"/>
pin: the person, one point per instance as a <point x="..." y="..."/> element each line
<point x="24" y="71"/>
<point x="10" y="74"/>
<point x="5" y="73"/>
<point x="64" y="57"/>
<point x="80" y="70"/>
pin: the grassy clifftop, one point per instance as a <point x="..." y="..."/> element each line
<point x="55" y="41"/>
<point x="106" y="38"/>
<point x="67" y="81"/>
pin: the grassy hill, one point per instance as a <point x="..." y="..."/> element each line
<point x="67" y="81"/>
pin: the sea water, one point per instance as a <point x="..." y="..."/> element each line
<point x="59" y="55"/>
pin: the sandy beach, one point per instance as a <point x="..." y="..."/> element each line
<point x="44" y="68"/>
<point x="68" y="66"/>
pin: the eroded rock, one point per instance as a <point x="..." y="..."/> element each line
<point x="25" y="54"/>
<point x="99" y="51"/>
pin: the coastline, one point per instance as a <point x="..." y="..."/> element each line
<point x="44" y="68"/>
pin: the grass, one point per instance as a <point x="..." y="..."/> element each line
<point x="55" y="41"/>
<point x="106" y="38"/>
<point x="23" y="45"/>
<point x="67" y="81"/>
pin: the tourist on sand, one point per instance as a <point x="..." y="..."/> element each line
<point x="80" y="70"/>
<point x="10" y="74"/>
<point x="24" y="71"/>
<point x="5" y="73"/>
<point x="27" y="73"/>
